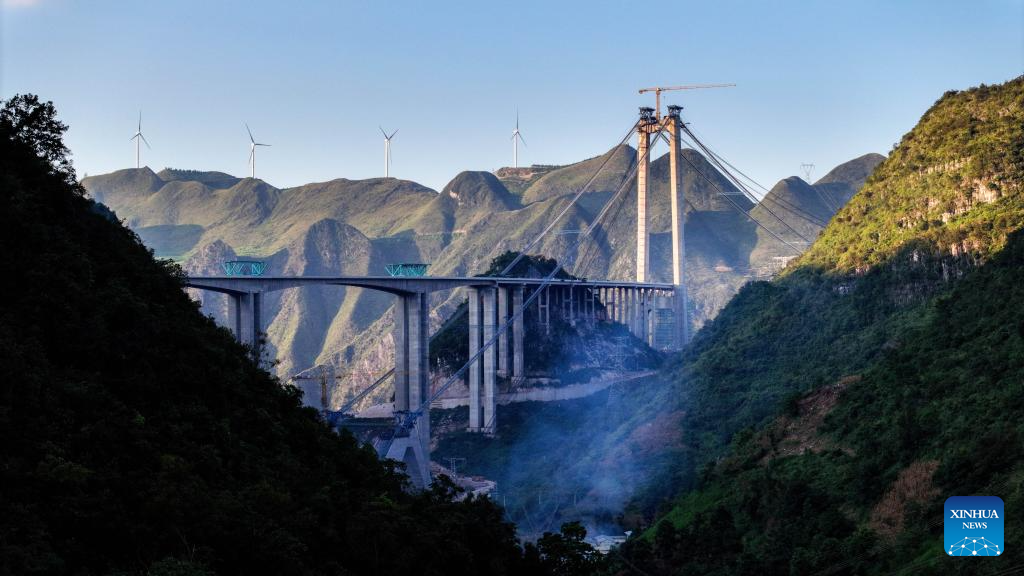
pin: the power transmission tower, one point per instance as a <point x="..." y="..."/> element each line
<point x="453" y="462"/>
<point x="807" y="169"/>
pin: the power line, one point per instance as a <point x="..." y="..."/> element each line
<point x="575" y="198"/>
<point x="410" y="417"/>
<point x="736" y="181"/>
<point x="737" y="206"/>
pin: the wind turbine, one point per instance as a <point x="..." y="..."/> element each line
<point x="517" y="137"/>
<point x="139" y="138"/>
<point x="387" y="150"/>
<point x="252" y="152"/>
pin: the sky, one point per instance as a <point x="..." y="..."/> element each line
<point x="816" y="82"/>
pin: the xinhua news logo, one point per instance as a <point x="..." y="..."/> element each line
<point x="974" y="526"/>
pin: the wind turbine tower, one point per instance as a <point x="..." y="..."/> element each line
<point x="252" y="152"/>
<point x="387" y="150"/>
<point x="139" y="139"/>
<point x="517" y="137"/>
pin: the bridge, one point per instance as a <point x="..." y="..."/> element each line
<point x="493" y="302"/>
<point x="499" y="304"/>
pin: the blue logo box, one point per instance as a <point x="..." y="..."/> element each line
<point x="974" y="526"/>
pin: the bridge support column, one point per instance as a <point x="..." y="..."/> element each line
<point x="544" y="309"/>
<point x="475" y="368"/>
<point x="518" y="326"/>
<point x="503" y="340"/>
<point x="483" y="325"/>
<point x="246" y="318"/>
<point x="649" y="317"/>
<point x="490" y="356"/>
<point x="640" y="314"/>
<point x="235" y="315"/>
<point x="616" y="295"/>
<point x="572" y="305"/>
<point x="634" y="314"/>
<point x="624" y="316"/>
<point x="412" y="385"/>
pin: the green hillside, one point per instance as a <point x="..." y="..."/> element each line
<point x="139" y="439"/>
<point x="877" y="377"/>
<point x="797" y="211"/>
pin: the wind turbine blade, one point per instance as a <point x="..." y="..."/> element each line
<point x="517" y="119"/>
<point x="252" y="151"/>
<point x="146" y="141"/>
<point x="383" y="132"/>
<point x="393" y="134"/>
<point x="251" y="139"/>
<point x="258" y="144"/>
<point x="521" y="139"/>
<point x="140" y="121"/>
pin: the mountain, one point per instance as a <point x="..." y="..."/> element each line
<point x="830" y="412"/>
<point x="843" y="181"/>
<point x="796" y="211"/>
<point x="210" y="178"/>
<point x="140" y="439"/>
<point x="188" y="216"/>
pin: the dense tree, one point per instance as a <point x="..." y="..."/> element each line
<point x="138" y="438"/>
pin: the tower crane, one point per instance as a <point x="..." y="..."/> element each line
<point x="659" y="89"/>
<point x="324" y="377"/>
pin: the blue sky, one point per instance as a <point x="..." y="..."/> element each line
<point x="818" y="82"/>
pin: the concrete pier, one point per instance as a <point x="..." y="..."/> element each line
<point x="518" y="328"/>
<point x="246" y="319"/>
<point x="490" y="355"/>
<point x="476" y="367"/>
<point x="504" y="339"/>
<point x="412" y="385"/>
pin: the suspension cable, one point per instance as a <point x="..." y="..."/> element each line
<point x="736" y="181"/>
<point x="612" y="201"/>
<point x="799" y="212"/>
<point x="411" y="416"/>
<point x="572" y="203"/>
<point x="737" y="206"/>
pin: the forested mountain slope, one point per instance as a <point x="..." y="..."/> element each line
<point x="878" y="376"/>
<point x="138" y="438"/>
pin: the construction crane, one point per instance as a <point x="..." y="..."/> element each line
<point x="659" y="89"/>
<point x="324" y="376"/>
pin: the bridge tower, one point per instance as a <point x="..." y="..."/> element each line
<point x="673" y="124"/>
<point x="652" y="123"/>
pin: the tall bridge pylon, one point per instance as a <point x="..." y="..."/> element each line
<point x="652" y="124"/>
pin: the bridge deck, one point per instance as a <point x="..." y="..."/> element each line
<point x="395" y="285"/>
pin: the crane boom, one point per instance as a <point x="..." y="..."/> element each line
<point x="659" y="89"/>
